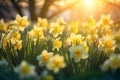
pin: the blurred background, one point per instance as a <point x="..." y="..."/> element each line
<point x="51" y="9"/>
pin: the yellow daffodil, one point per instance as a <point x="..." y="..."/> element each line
<point x="108" y="44"/>
<point x="115" y="60"/>
<point x="56" y="29"/>
<point x="18" y="45"/>
<point x="16" y="35"/>
<point x="25" y="70"/>
<point x="74" y="30"/>
<point x="5" y="42"/>
<point x="56" y="63"/>
<point x="106" y="20"/>
<point x="42" y="23"/>
<point x="86" y="49"/>
<point x="92" y="38"/>
<point x="3" y="26"/>
<point x="21" y="22"/>
<point x="73" y="27"/>
<point x="44" y="57"/>
<point x="91" y="21"/>
<point x="57" y="44"/>
<point x="76" y="39"/>
<point x="60" y="21"/>
<point x="38" y="32"/>
<point x="112" y="63"/>
<point x="78" y="53"/>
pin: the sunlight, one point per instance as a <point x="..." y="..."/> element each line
<point x="91" y="5"/>
<point x="88" y="3"/>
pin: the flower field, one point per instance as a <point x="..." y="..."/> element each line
<point x="58" y="50"/>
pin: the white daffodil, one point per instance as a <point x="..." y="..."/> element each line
<point x="44" y="57"/>
<point x="78" y="53"/>
<point x="25" y="70"/>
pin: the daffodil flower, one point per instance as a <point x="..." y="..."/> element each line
<point x="57" y="44"/>
<point x="56" y="29"/>
<point x="112" y="63"/>
<point x="106" y="20"/>
<point x="21" y="22"/>
<point x="5" y="41"/>
<point x="3" y="26"/>
<point x="76" y="39"/>
<point x="42" y="23"/>
<point x="61" y="21"/>
<point x="44" y="57"/>
<point x="107" y="44"/>
<point x="56" y="63"/>
<point x="36" y="32"/>
<point x="78" y="53"/>
<point x="18" y="45"/>
<point x="25" y="70"/>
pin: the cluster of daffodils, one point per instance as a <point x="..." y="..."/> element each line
<point x="112" y="63"/>
<point x="10" y="32"/>
<point x="68" y="43"/>
<point x="107" y="44"/>
<point x="103" y="35"/>
<point x="51" y="61"/>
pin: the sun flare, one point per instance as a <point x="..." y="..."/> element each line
<point x="88" y="2"/>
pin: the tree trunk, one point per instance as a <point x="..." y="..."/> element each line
<point x="32" y="10"/>
<point x="45" y="8"/>
<point x="17" y="7"/>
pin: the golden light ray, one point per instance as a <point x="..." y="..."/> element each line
<point x="88" y="2"/>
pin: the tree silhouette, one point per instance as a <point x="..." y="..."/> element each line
<point x="11" y="6"/>
<point x="44" y="8"/>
